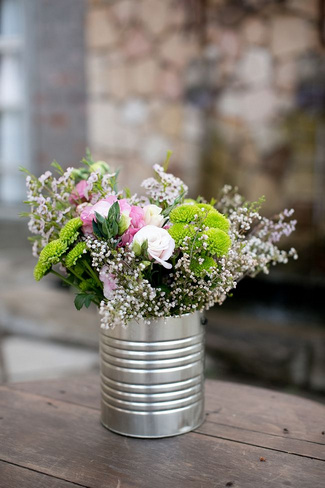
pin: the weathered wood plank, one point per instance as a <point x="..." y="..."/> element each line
<point x="67" y="441"/>
<point x="229" y="404"/>
<point x="12" y="476"/>
<point x="268" y="441"/>
<point x="265" y="411"/>
<point x="82" y="390"/>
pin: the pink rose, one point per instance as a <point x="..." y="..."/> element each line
<point x="88" y="214"/>
<point x="137" y="217"/>
<point x="127" y="237"/>
<point x="80" y="193"/>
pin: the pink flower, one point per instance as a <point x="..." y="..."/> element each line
<point x="137" y="217"/>
<point x="127" y="237"/>
<point x="80" y="193"/>
<point x="88" y="214"/>
<point x="109" y="282"/>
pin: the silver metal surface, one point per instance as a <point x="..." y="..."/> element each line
<point x="152" y="379"/>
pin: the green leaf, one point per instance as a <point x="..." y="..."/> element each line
<point x="87" y="301"/>
<point x="105" y="229"/>
<point x="79" y="300"/>
<point x="26" y="171"/>
<point x="127" y="192"/>
<point x="144" y="247"/>
<point x="136" y="248"/>
<point x="96" y="230"/>
<point x="88" y="160"/>
<point x="177" y="201"/>
<point x="58" y="167"/>
<point x="166" y="163"/>
<point x="99" y="218"/>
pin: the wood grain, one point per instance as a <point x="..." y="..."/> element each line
<point x="66" y="441"/>
<point x="12" y="476"/>
<point x="236" y="412"/>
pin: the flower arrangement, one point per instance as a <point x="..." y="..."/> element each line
<point x="140" y="257"/>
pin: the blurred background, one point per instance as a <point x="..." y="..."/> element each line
<point x="236" y="89"/>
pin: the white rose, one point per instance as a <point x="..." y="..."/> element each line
<point x="160" y="244"/>
<point x="152" y="215"/>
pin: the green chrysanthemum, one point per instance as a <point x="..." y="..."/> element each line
<point x="200" y="267"/>
<point x="218" y="242"/>
<point x="40" y="270"/>
<point x="52" y="252"/>
<point x="216" y="220"/>
<point x="75" y="254"/>
<point x="205" y="206"/>
<point x="179" y="231"/>
<point x="70" y="231"/>
<point x="184" y="213"/>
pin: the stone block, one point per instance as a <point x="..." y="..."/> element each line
<point x="155" y="15"/>
<point x="170" y="84"/>
<point x="291" y="36"/>
<point x="101" y="29"/>
<point x="178" y="48"/>
<point x="137" y="44"/>
<point x="143" y="77"/>
<point x="135" y="112"/>
<point x="255" y="67"/>
<point x="305" y="7"/>
<point x="255" y="31"/>
<point x="171" y="119"/>
<point x="107" y="131"/>
<point x="30" y="359"/>
<point x="229" y="44"/>
<point x="155" y="148"/>
<point x="118" y="81"/>
<point x="286" y="74"/>
<point x="255" y="106"/>
<point x="124" y="12"/>
<point x="193" y="124"/>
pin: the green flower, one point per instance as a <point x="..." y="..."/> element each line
<point x="202" y="267"/>
<point x="206" y="206"/>
<point x="75" y="254"/>
<point x="218" y="242"/>
<point x="184" y="213"/>
<point x="40" y="270"/>
<point x="217" y="220"/>
<point x="100" y="166"/>
<point x="52" y="252"/>
<point x="179" y="231"/>
<point x="70" y="231"/>
<point x="50" y="255"/>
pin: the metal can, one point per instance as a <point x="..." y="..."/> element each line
<point x="152" y="377"/>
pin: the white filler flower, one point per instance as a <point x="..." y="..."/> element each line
<point x="152" y="215"/>
<point x="160" y="244"/>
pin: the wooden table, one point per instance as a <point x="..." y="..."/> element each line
<point x="51" y="437"/>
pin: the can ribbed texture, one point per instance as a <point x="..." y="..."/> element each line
<point x="152" y="379"/>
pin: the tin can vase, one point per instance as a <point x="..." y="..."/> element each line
<point x="152" y="377"/>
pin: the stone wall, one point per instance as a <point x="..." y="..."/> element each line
<point x="242" y="102"/>
<point x="56" y="84"/>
